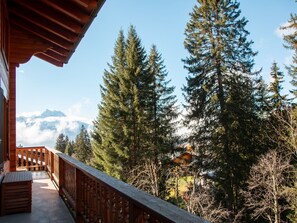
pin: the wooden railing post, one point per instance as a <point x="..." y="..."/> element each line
<point x="52" y="167"/>
<point x="78" y="202"/>
<point x="61" y="176"/>
<point x="45" y="158"/>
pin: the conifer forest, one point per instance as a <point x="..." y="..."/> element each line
<point x="237" y="160"/>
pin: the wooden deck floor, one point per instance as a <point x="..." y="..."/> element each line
<point x="47" y="206"/>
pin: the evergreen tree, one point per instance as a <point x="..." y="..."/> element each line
<point x="108" y="145"/>
<point x="82" y="146"/>
<point x="160" y="127"/>
<point x="61" y="142"/>
<point x="291" y="43"/>
<point x="69" y="148"/>
<point x="120" y="125"/>
<point x="162" y="105"/>
<point x="221" y="96"/>
<point x="134" y="127"/>
<point x="278" y="101"/>
<point x="134" y="86"/>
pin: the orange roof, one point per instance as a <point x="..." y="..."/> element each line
<point x="49" y="29"/>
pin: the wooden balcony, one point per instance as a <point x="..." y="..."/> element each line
<point x="93" y="196"/>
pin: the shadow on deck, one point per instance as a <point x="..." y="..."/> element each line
<point x="47" y="205"/>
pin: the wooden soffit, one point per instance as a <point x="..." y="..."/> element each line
<point x="48" y="29"/>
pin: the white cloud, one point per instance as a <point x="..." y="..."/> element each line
<point x="33" y="136"/>
<point x="29" y="114"/>
<point x="282" y="32"/>
<point x="77" y="110"/>
<point x="35" y="130"/>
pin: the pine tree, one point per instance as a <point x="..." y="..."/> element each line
<point x="61" y="142"/>
<point x="82" y="146"/>
<point x="221" y="96"/>
<point x="278" y="101"/>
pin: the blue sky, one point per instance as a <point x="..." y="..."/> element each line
<point x="74" y="89"/>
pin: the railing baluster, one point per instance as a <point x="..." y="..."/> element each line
<point x="78" y="183"/>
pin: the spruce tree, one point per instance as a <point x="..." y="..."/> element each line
<point x="119" y="128"/>
<point x="82" y="146"/>
<point x="133" y="87"/>
<point x="291" y="43"/>
<point x="221" y="97"/>
<point x="108" y="146"/>
<point x="69" y="148"/>
<point x="278" y="101"/>
<point x="160" y="121"/>
<point x="61" y="142"/>
<point x="134" y="127"/>
<point x="162" y="104"/>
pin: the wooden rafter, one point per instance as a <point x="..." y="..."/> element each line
<point x="57" y="26"/>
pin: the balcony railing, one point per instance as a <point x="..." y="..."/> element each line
<point x="93" y="196"/>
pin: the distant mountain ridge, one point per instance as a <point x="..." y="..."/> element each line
<point x="44" y="129"/>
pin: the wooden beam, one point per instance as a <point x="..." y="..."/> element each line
<point x="61" y="51"/>
<point x="89" y="4"/>
<point x="33" y="17"/>
<point x="47" y="13"/>
<point x="49" y="59"/>
<point x="55" y="55"/>
<point x="43" y="34"/>
<point x="12" y="116"/>
<point x="23" y="45"/>
<point x="75" y="12"/>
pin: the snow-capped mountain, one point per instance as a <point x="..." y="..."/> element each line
<point x="44" y="128"/>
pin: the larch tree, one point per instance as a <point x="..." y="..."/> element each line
<point x="266" y="193"/>
<point x="82" y="146"/>
<point x="221" y="97"/>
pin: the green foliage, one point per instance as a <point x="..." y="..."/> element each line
<point x="222" y="97"/>
<point x="61" y="143"/>
<point x="278" y="102"/>
<point x="117" y="127"/>
<point x="291" y="43"/>
<point x="134" y="128"/>
<point x="69" y="148"/>
<point x="82" y="146"/>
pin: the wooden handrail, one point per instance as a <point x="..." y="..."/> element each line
<point x="96" y="197"/>
<point x="32" y="158"/>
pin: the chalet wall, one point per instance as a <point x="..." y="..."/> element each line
<point x="4" y="87"/>
<point x="4" y="35"/>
